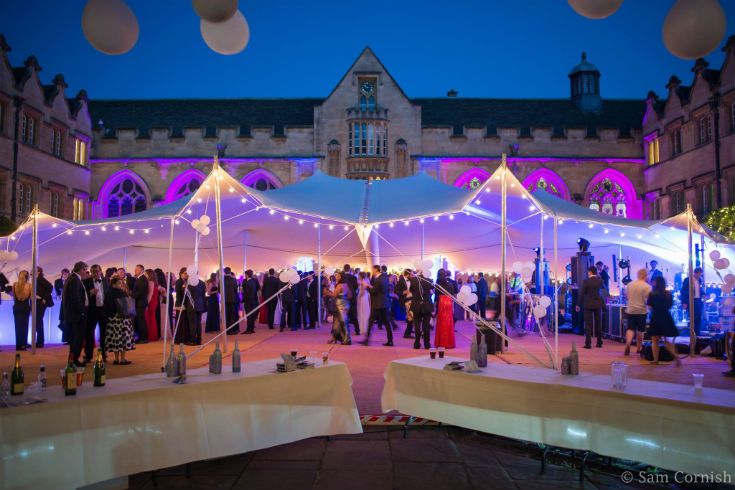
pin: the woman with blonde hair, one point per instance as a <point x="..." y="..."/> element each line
<point x="21" y="309"/>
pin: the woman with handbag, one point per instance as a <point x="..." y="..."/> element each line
<point x="121" y="311"/>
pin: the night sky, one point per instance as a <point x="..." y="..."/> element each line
<point x="482" y="48"/>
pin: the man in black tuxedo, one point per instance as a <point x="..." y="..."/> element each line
<point x="698" y="297"/>
<point x="421" y="307"/>
<point x="379" y="304"/>
<point x="300" y="297"/>
<point x="312" y="291"/>
<point x="66" y="335"/>
<point x="271" y="285"/>
<point x="402" y="291"/>
<point x="43" y="300"/>
<point x="75" y="300"/>
<point x="592" y="302"/>
<point x="129" y="280"/>
<point x="98" y="287"/>
<point x="230" y="296"/>
<point x="351" y="281"/>
<point x="250" y="288"/>
<point x="391" y="297"/>
<point x="140" y="295"/>
<point x="198" y="294"/>
<point x="287" y="307"/>
<point x="482" y="291"/>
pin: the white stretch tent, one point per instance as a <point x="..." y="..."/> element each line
<point x="334" y="221"/>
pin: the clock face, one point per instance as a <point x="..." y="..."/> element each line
<point x="367" y="88"/>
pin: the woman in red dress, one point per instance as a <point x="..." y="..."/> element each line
<point x="444" y="335"/>
<point x="151" y="318"/>
<point x="263" y="313"/>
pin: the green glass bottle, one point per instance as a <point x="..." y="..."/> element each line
<point x="99" y="370"/>
<point x="71" y="378"/>
<point x="17" y="378"/>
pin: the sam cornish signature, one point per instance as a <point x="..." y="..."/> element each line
<point x="678" y="477"/>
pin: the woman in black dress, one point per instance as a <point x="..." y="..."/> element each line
<point x="662" y="323"/>
<point x="212" y="304"/>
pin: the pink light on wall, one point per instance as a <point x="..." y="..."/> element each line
<point x="472" y="178"/>
<point x="552" y="183"/>
<point x="633" y="205"/>
<point x="181" y="180"/>
<point x="100" y="208"/>
<point x="253" y="177"/>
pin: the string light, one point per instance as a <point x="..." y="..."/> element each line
<point x="286" y="217"/>
<point x="487" y="189"/>
<point x="104" y="228"/>
<point x="53" y="225"/>
<point x="132" y="232"/>
<point x="391" y="224"/>
<point x="451" y="216"/>
<point x="232" y="190"/>
<point x="301" y="222"/>
<point x="531" y="207"/>
<point x="199" y="199"/>
<point x="561" y="221"/>
<point x="346" y="227"/>
<point x="68" y="232"/>
<point x="622" y="234"/>
<point x="316" y="225"/>
<point x="477" y="201"/>
<point x="243" y="201"/>
<point x="176" y="221"/>
<point x="117" y="228"/>
<point x="146" y="231"/>
<point x="331" y="227"/>
<point x="405" y="223"/>
<point x="188" y="211"/>
<point x="86" y="232"/>
<point x="639" y="236"/>
<point x="421" y="220"/>
<point x="590" y="226"/>
<point x="436" y="218"/>
<point x="272" y="212"/>
<point x="607" y="231"/>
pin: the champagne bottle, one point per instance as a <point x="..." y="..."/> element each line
<point x="99" y="370"/>
<point x="42" y="380"/>
<point x="181" y="362"/>
<point x="473" y="349"/>
<point x="574" y="360"/>
<point x="17" y="378"/>
<point x="236" y="363"/>
<point x="172" y="365"/>
<point x="217" y="359"/>
<point x="71" y="378"/>
<point x="482" y="353"/>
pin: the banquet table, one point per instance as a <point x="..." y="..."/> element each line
<point x="671" y="426"/>
<point x="146" y="422"/>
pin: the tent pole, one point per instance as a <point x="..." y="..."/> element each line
<point x="692" y="334"/>
<point x="319" y="275"/>
<point x="220" y="251"/>
<point x="540" y="285"/>
<point x="557" y="290"/>
<point x="125" y="258"/>
<point x="503" y="230"/>
<point x="423" y="239"/>
<point x="167" y="319"/>
<point x="34" y="280"/>
<point x="244" y="251"/>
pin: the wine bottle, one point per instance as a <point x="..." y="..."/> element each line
<point x="181" y="362"/>
<point x="172" y="366"/>
<point x="473" y="349"/>
<point x="99" y="370"/>
<point x="42" y="380"/>
<point x="236" y="363"/>
<point x="217" y="359"/>
<point x="17" y="378"/>
<point x="71" y="378"/>
<point x="574" y="360"/>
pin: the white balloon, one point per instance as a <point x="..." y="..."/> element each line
<point x="526" y="274"/>
<point x="195" y="223"/>
<point x="726" y="288"/>
<point x="427" y="264"/>
<point x="714" y="254"/>
<point x="215" y="10"/>
<point x="293" y="276"/>
<point x="729" y="279"/>
<point x="204" y="219"/>
<point x="539" y="311"/>
<point x="516" y="267"/>
<point x="193" y="280"/>
<point x="471" y="299"/>
<point x="283" y="276"/>
<point x="465" y="290"/>
<point x="530" y="265"/>
<point x="110" y="26"/>
<point x="545" y="301"/>
<point x="595" y="9"/>
<point x="725" y="262"/>
<point x="463" y="298"/>
<point x="204" y="230"/>
<point x="228" y="37"/>
<point x="693" y="28"/>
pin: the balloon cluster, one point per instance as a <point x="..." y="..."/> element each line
<point x="6" y="256"/>
<point x="423" y="265"/>
<point x="290" y="276"/>
<point x="524" y="270"/>
<point x="692" y="28"/>
<point x="729" y="280"/>
<point x="201" y="225"/>
<point x="466" y="296"/>
<point x="539" y="311"/>
<point x="329" y="271"/>
<point x="719" y="262"/>
<point x="222" y="25"/>
<point x="193" y="272"/>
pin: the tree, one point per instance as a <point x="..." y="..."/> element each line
<point x="722" y="221"/>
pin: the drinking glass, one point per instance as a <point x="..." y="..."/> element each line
<point x="619" y="375"/>
<point x="432" y="353"/>
<point x="698" y="379"/>
<point x="441" y="352"/>
<point x="80" y="376"/>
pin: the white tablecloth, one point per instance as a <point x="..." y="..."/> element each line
<point x="667" y="425"/>
<point x="146" y="422"/>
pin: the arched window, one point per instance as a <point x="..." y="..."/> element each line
<point x="261" y="180"/>
<point x="123" y="194"/>
<point x="187" y="188"/>
<point x="549" y="181"/>
<point x="611" y="192"/>
<point x="472" y="179"/>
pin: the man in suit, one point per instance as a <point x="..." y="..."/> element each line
<point x="140" y="295"/>
<point x="592" y="302"/>
<point x="654" y="272"/>
<point x="75" y="300"/>
<point x="379" y="304"/>
<point x="351" y="281"/>
<point x="129" y="280"/>
<point x="482" y="291"/>
<point x="391" y="296"/>
<point x="300" y="297"/>
<point x="271" y="285"/>
<point x="250" y="288"/>
<point x="231" y="300"/>
<point x="312" y="292"/>
<point x="402" y="291"/>
<point x="698" y="295"/>
<point x="98" y="287"/>
<point x="66" y="335"/>
<point x="198" y="294"/>
<point x="422" y="309"/>
<point x="287" y="307"/>
<point x="43" y="301"/>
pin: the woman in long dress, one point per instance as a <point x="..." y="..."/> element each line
<point x="21" y="309"/>
<point x="151" y="317"/>
<point x="444" y="335"/>
<point x="119" y="339"/>
<point x="185" y="323"/>
<point x="342" y="296"/>
<point x="212" y="294"/>
<point x="662" y="323"/>
<point x="363" y="300"/>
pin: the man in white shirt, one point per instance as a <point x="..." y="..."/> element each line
<point x="636" y="310"/>
<point x="97" y="287"/>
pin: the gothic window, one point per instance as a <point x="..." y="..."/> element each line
<point x="260" y="180"/>
<point x="676" y="141"/>
<point x="78" y="209"/>
<point x="368" y="139"/>
<point x="608" y="197"/>
<point x="187" y="188"/>
<point x="80" y="151"/>
<point x="25" y="199"/>
<point x="23" y="128"/>
<point x="363" y="103"/>
<point x="653" y="151"/>
<point x="31" y="136"/>
<point x="56" y="142"/>
<point x="126" y="197"/>
<point x="542" y="183"/>
<point x="704" y="126"/>
<point x="54" y="205"/>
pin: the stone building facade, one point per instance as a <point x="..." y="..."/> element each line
<point x="143" y="153"/>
